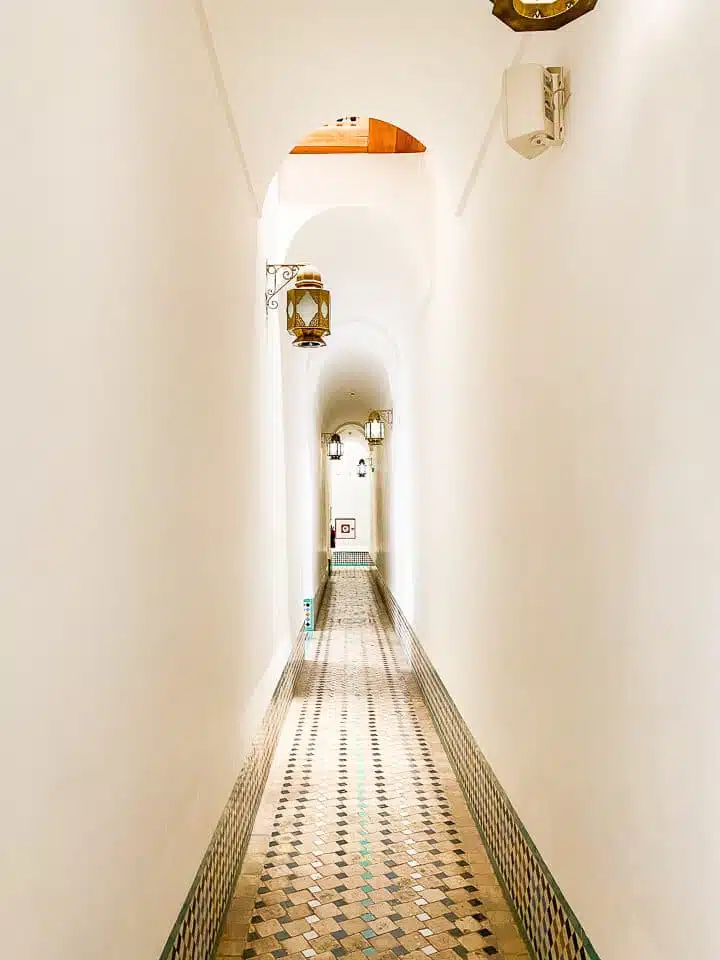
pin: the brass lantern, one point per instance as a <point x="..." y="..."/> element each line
<point x="335" y="447"/>
<point x="362" y="468"/>
<point x="308" y="309"/>
<point x="521" y="15"/>
<point x="374" y="428"/>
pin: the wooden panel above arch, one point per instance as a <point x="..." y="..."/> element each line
<point x="363" y="135"/>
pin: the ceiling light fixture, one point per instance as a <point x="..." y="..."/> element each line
<point x="541" y="15"/>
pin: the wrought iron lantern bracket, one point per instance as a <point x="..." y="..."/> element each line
<point x="277" y="277"/>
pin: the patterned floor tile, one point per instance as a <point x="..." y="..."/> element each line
<point x="368" y="848"/>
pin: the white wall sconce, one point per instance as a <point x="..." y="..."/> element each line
<point x="375" y="425"/>
<point x="534" y="99"/>
<point x="362" y="468"/>
<point x="308" y="303"/>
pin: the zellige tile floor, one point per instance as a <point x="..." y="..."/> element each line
<point x="364" y="846"/>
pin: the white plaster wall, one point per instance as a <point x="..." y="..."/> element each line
<point x="570" y="518"/>
<point x="131" y="604"/>
<point x="351" y="494"/>
<point x="285" y="616"/>
<point x="398" y="477"/>
<point x="302" y="474"/>
<point x="382" y="507"/>
<point x="322" y="549"/>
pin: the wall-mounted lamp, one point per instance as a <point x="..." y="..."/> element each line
<point x="362" y="468"/>
<point x="541" y="15"/>
<point x="308" y="303"/>
<point x="375" y="425"/>
<point x="334" y="445"/>
<point x="534" y="103"/>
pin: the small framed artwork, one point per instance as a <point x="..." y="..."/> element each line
<point x="345" y="528"/>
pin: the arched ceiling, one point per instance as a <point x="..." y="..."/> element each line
<point x="367" y="264"/>
<point x="375" y="286"/>
<point x="352" y="383"/>
<point x="432" y="69"/>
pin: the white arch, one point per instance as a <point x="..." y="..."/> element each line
<point x="276" y="71"/>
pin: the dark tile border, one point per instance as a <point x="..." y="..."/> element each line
<point x="198" y="927"/>
<point x="548" y="924"/>
<point x="351" y="558"/>
<point x="320" y="595"/>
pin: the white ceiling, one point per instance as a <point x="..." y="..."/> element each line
<point x="353" y="382"/>
<point x="433" y="69"/>
<point x="367" y="265"/>
<point x="376" y="285"/>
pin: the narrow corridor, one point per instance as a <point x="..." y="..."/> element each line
<point x="363" y="845"/>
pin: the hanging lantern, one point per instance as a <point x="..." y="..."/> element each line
<point x="335" y="447"/>
<point x="374" y="428"/>
<point x="362" y="469"/>
<point x="542" y="14"/>
<point x="308" y="309"/>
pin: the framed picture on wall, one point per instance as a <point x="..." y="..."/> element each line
<point x="345" y="528"/>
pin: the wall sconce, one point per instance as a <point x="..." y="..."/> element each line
<point x="362" y="468"/>
<point x="334" y="445"/>
<point x="522" y="16"/>
<point x="375" y="425"/>
<point x="308" y="303"/>
<point x="534" y="100"/>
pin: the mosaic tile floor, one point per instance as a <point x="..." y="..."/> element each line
<point x="364" y="846"/>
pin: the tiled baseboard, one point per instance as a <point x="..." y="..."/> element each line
<point x="198" y="927"/>
<point x="320" y="594"/>
<point x="549" y="926"/>
<point x="351" y="558"/>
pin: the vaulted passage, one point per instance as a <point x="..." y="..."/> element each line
<point x="401" y="297"/>
<point x="364" y="846"/>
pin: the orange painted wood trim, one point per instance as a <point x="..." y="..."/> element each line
<point x="368" y="136"/>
